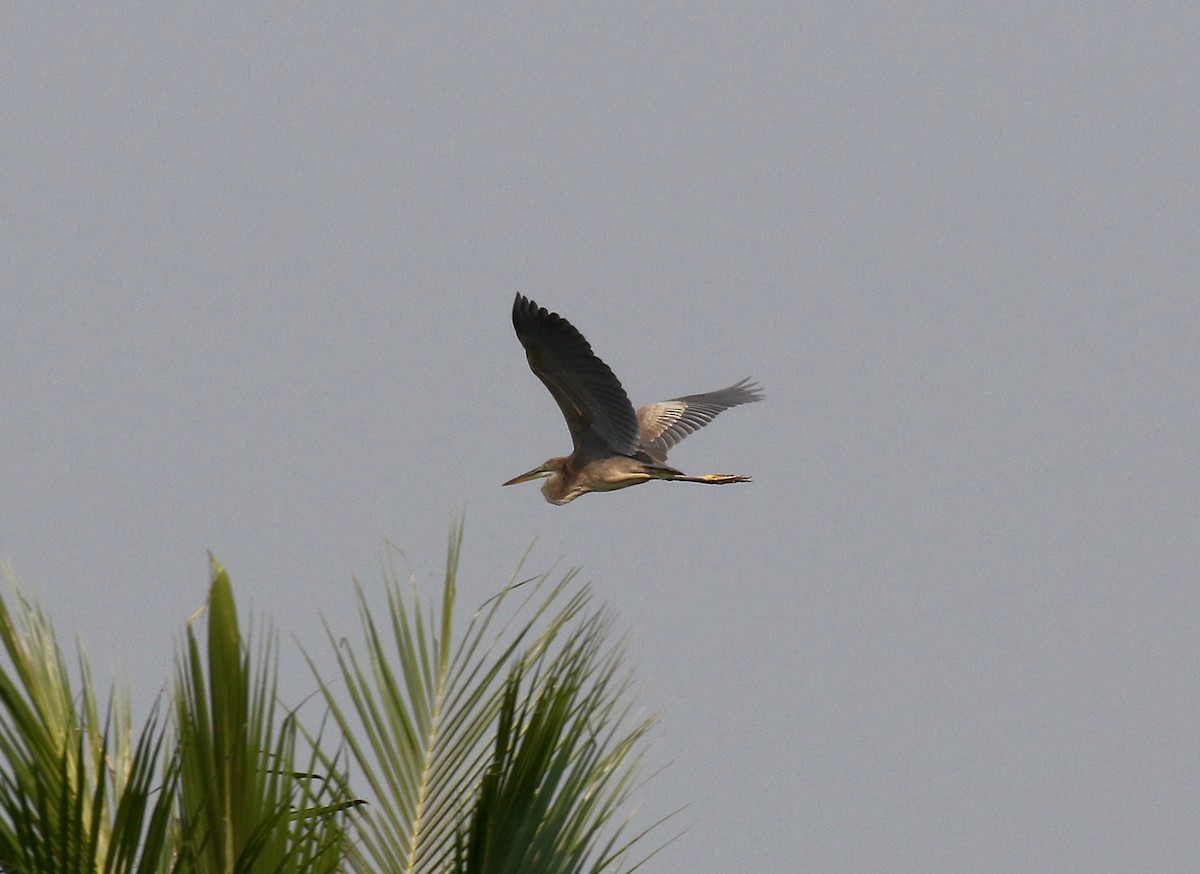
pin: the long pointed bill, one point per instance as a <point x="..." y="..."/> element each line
<point x="536" y="473"/>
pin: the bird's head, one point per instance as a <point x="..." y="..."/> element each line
<point x="554" y="488"/>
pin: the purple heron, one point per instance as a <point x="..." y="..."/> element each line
<point x="615" y="447"/>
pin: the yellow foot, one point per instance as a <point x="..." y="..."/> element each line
<point x="722" y="478"/>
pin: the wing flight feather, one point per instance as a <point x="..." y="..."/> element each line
<point x="664" y="424"/>
<point x="598" y="412"/>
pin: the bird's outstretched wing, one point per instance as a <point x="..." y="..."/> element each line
<point x="664" y="424"/>
<point x="598" y="412"/>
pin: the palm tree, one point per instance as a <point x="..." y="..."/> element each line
<point x="503" y="741"/>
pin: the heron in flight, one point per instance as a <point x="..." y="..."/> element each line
<point x="615" y="446"/>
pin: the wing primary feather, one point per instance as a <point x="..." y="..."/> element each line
<point x="598" y="412"/>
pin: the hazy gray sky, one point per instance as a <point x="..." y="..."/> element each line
<point x="257" y="265"/>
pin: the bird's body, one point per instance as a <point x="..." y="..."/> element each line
<point x="614" y="445"/>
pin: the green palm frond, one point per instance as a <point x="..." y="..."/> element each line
<point x="562" y="766"/>
<point x="241" y="782"/>
<point x="77" y="792"/>
<point x="514" y="729"/>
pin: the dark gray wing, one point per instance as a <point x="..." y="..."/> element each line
<point x="664" y="424"/>
<point x="598" y="412"/>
